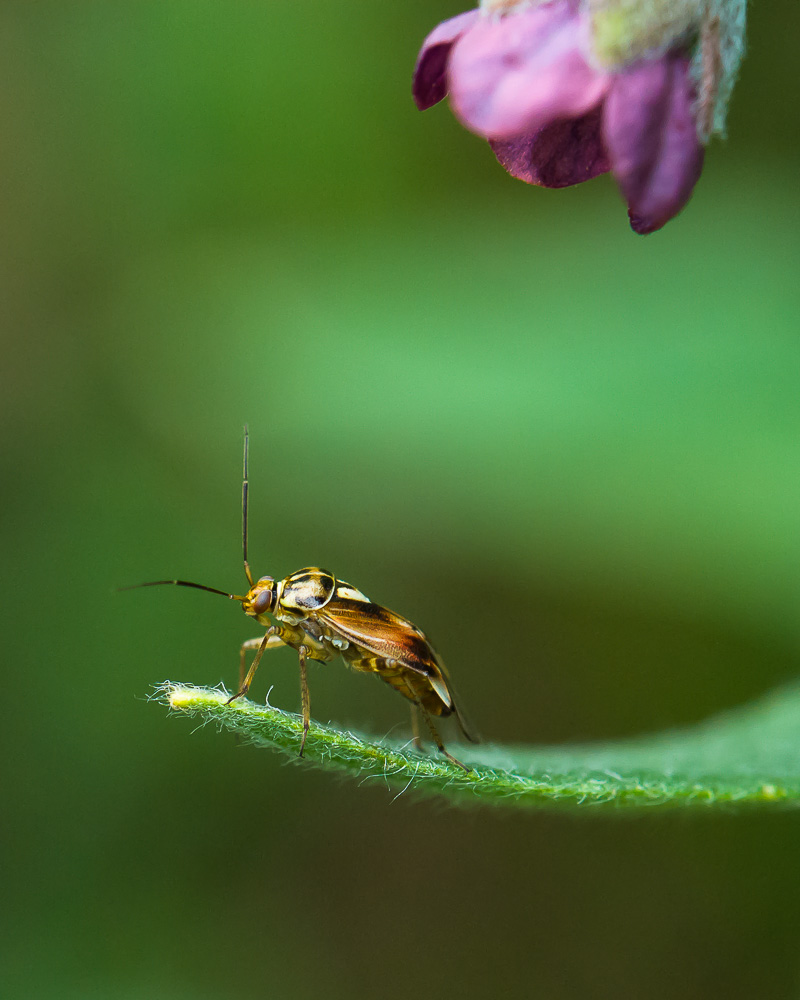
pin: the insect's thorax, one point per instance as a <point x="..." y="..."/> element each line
<point x="315" y="610"/>
<point x="299" y="601"/>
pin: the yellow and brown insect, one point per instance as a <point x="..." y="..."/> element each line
<point x="323" y="617"/>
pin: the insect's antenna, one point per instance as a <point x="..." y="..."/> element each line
<point x="245" y="492"/>
<point x="183" y="583"/>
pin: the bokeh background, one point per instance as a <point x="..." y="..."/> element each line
<point x="571" y="454"/>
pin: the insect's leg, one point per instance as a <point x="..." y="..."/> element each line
<point x="305" y="698"/>
<point x="415" y="727"/>
<point x="248" y="644"/>
<point x="272" y="638"/>
<point x="274" y="641"/>
<point x="437" y="740"/>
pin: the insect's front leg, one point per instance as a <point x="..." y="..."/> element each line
<point x="272" y="643"/>
<point x="273" y="638"/>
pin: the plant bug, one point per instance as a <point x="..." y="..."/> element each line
<point x="322" y="617"/>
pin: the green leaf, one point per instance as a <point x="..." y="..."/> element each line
<point x="746" y="756"/>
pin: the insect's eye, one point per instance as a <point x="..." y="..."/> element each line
<point x="265" y="579"/>
<point x="263" y="600"/>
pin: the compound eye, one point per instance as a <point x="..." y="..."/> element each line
<point x="265" y="579"/>
<point x="263" y="601"/>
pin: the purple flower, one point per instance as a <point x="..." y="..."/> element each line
<point x="525" y="78"/>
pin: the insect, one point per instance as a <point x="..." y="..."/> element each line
<point x="322" y="617"/>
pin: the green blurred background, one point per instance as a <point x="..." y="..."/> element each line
<point x="569" y="453"/>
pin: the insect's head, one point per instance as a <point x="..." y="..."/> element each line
<point x="261" y="597"/>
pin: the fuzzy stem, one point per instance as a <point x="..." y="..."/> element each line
<point x="749" y="756"/>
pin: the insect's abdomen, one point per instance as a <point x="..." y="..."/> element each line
<point x="410" y="684"/>
<point x="417" y="689"/>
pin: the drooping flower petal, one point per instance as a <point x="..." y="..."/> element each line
<point x="564" y="153"/>
<point x="519" y="73"/>
<point x="430" y="73"/>
<point x="651" y="138"/>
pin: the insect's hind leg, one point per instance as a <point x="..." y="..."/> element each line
<point x="437" y="739"/>
<point x="271" y="640"/>
<point x="418" y="745"/>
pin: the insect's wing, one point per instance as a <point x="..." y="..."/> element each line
<point x="464" y="724"/>
<point x="388" y="635"/>
<point x="381" y="632"/>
